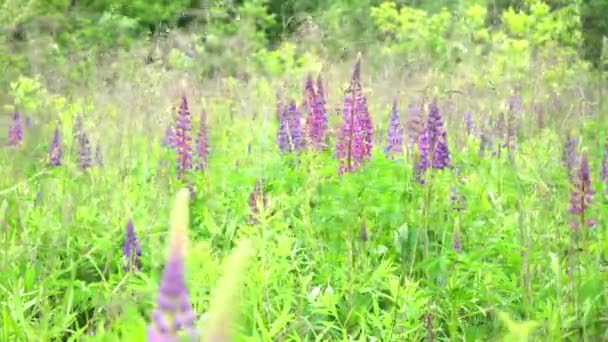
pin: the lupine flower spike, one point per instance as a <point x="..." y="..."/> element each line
<point x="414" y="123"/>
<point x="283" y="132"/>
<point x="173" y="315"/>
<point x="183" y="140"/>
<point x="55" y="149"/>
<point x="394" y="134"/>
<point x="432" y="143"/>
<point x="355" y="137"/>
<point x="294" y="117"/>
<point x="131" y="250"/>
<point x="202" y="146"/>
<point x="169" y="137"/>
<point x="569" y="155"/>
<point x="84" y="153"/>
<point x="581" y="196"/>
<point x="15" y="131"/>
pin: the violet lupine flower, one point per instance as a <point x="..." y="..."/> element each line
<point x="414" y="123"/>
<point x="257" y="197"/>
<point x="581" y="196"/>
<point x="98" y="156"/>
<point x="84" y="152"/>
<point x="283" y="132"/>
<point x="131" y="250"/>
<point x="294" y="123"/>
<point x="321" y="128"/>
<point x="202" y="146"/>
<point x="15" y="131"/>
<point x="183" y="140"/>
<point x="432" y="143"/>
<point x="169" y="137"/>
<point x="539" y="109"/>
<point x="605" y="168"/>
<point x="569" y="155"/>
<point x="394" y="134"/>
<point x="355" y="136"/>
<point x="55" y="149"/>
<point x="173" y="313"/>
<point x="316" y="122"/>
<point x="468" y="122"/>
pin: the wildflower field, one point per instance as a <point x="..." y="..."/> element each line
<point x="423" y="187"/>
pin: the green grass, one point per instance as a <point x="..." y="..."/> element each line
<point x="313" y="278"/>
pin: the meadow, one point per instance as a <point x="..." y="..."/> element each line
<point x="364" y="198"/>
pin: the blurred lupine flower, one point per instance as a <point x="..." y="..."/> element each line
<point x="131" y="250"/>
<point x="15" y="131"/>
<point x="605" y="168"/>
<point x="98" y="156"/>
<point x="283" y="132"/>
<point x="363" y="233"/>
<point x="173" y="313"/>
<point x="355" y="136"/>
<point x="468" y="123"/>
<point x="296" y="134"/>
<point x="581" y="195"/>
<point x="39" y="198"/>
<point x="169" y="137"/>
<point x="321" y="111"/>
<point x="257" y="197"/>
<point x="432" y="143"/>
<point x="55" y="149"/>
<point x="183" y="140"/>
<point x="394" y="134"/>
<point x="202" y="146"/>
<point x="28" y="121"/>
<point x="569" y="155"/>
<point x="84" y="152"/>
<point x="316" y="122"/>
<point x="414" y="124"/>
<point x="456" y="241"/>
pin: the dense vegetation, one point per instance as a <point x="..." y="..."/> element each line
<point x="332" y="171"/>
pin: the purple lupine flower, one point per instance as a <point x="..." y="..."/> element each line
<point x="355" y="136"/>
<point x="15" y="131"/>
<point x="394" y="134"/>
<point x="55" y="149"/>
<point x="468" y="123"/>
<point x="316" y="122"/>
<point x="294" y="123"/>
<point x="131" y="250"/>
<point x="581" y="195"/>
<point x="432" y="143"/>
<point x="605" y="168"/>
<point x="366" y="129"/>
<point x="183" y="140"/>
<point x="257" y="197"/>
<point x="321" y="123"/>
<point x="485" y="137"/>
<point x="169" y="137"/>
<point x="202" y="146"/>
<point x="98" y="156"/>
<point x="414" y="123"/>
<point x="569" y="155"/>
<point x="283" y="132"/>
<point x="441" y="155"/>
<point x="84" y="152"/>
<point x="173" y="313"/>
